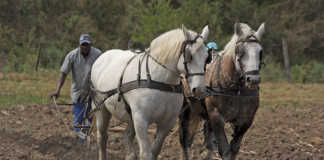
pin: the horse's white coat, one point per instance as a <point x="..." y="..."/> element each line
<point x="148" y="105"/>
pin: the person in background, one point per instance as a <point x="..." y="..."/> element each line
<point x="212" y="51"/>
<point x="79" y="61"/>
<point x="210" y="138"/>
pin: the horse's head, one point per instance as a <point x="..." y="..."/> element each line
<point x="248" y="54"/>
<point x="193" y="59"/>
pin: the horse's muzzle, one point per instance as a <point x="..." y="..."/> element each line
<point x="199" y="92"/>
<point x="253" y="79"/>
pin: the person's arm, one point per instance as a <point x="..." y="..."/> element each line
<point x="60" y="83"/>
<point x="65" y="69"/>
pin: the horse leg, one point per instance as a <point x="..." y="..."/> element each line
<point x="141" y="130"/>
<point x="163" y="130"/>
<point x="103" y="117"/>
<point x="217" y="124"/>
<point x="210" y="139"/>
<point x="184" y="133"/>
<point x="189" y="123"/>
<point x="239" y="132"/>
<point x="129" y="141"/>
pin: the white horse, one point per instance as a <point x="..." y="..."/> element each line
<point x="179" y="51"/>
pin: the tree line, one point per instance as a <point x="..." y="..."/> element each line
<point x="51" y="28"/>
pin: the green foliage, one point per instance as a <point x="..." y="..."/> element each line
<point x="272" y="72"/>
<point x="53" y="27"/>
<point x="155" y="18"/>
<point x="312" y="72"/>
<point x="5" y="38"/>
<point x="298" y="73"/>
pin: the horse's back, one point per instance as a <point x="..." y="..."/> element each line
<point x="108" y="68"/>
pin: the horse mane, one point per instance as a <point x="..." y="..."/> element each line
<point x="167" y="46"/>
<point x="229" y="49"/>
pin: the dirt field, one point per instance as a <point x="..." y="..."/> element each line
<point x="34" y="132"/>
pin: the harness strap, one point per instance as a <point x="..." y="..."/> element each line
<point x="120" y="92"/>
<point x="140" y="84"/>
<point x="148" y="74"/>
<point x="139" y="67"/>
<point x="232" y="92"/>
<point x="121" y="78"/>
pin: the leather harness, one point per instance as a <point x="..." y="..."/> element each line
<point x="144" y="83"/>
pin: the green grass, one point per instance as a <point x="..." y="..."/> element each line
<point x="9" y="100"/>
<point x="291" y="95"/>
<point x="35" y="88"/>
<point x="31" y="88"/>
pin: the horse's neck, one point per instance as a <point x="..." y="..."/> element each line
<point x="227" y="73"/>
<point x="161" y="74"/>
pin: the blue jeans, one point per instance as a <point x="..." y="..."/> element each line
<point x="79" y="115"/>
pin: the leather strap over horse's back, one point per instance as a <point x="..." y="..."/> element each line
<point x="139" y="83"/>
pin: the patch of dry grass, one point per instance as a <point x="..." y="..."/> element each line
<point x="32" y="88"/>
<point x="286" y="94"/>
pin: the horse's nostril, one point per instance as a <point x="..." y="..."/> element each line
<point x="248" y="79"/>
<point x="194" y="90"/>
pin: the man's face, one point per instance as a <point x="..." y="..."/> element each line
<point x="85" y="49"/>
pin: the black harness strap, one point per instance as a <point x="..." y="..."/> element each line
<point x="148" y="74"/>
<point x="139" y="66"/>
<point x="120" y="92"/>
<point x="144" y="84"/>
<point x="229" y="92"/>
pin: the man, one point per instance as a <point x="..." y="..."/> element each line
<point x="79" y="61"/>
<point x="210" y="138"/>
<point x="212" y="51"/>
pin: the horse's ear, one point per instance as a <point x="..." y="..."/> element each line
<point x="205" y="32"/>
<point x="237" y="29"/>
<point x="185" y="32"/>
<point x="258" y="34"/>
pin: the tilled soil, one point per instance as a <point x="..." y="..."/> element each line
<point x="39" y="132"/>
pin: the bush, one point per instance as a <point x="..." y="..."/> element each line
<point x="298" y="73"/>
<point x="314" y="72"/>
<point x="272" y="72"/>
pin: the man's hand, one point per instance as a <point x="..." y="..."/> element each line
<point x="56" y="95"/>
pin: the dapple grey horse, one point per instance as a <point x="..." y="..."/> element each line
<point x="232" y="79"/>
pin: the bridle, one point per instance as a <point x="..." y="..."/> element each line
<point x="240" y="52"/>
<point x="187" y="59"/>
